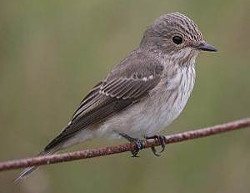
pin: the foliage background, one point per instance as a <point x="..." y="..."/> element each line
<point x="52" y="52"/>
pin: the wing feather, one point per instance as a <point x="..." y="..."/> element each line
<point x="123" y="87"/>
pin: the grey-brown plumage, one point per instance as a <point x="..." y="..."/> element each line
<point x="145" y="92"/>
<point x="123" y="87"/>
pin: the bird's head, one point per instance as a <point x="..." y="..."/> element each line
<point x="175" y="34"/>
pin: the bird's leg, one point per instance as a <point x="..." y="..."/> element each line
<point x="138" y="142"/>
<point x="162" y="140"/>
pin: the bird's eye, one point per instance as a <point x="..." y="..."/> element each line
<point x="177" y="40"/>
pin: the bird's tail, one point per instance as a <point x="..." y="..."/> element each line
<point x="31" y="169"/>
<point x="25" y="172"/>
<point x="60" y="142"/>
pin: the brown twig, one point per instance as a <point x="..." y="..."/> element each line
<point x="103" y="151"/>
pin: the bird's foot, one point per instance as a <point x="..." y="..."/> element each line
<point x="138" y="142"/>
<point x="162" y="140"/>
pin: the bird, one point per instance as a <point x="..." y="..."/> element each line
<point x="144" y="93"/>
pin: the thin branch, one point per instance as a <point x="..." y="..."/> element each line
<point x="103" y="151"/>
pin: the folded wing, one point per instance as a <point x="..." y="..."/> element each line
<point x="128" y="83"/>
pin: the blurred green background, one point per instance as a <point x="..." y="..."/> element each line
<point x="53" y="52"/>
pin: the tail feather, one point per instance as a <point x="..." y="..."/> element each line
<point x="60" y="142"/>
<point x="31" y="169"/>
<point x="25" y="172"/>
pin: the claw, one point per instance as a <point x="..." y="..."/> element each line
<point x="155" y="152"/>
<point x="138" y="142"/>
<point x="139" y="146"/>
<point x="162" y="140"/>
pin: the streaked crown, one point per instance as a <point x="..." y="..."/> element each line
<point x="178" y="23"/>
<point x="172" y="32"/>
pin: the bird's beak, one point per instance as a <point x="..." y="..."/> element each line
<point x="207" y="47"/>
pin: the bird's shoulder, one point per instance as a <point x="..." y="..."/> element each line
<point x="138" y="64"/>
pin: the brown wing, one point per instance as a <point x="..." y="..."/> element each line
<point x="121" y="89"/>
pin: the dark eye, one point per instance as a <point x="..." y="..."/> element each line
<point x="177" y="39"/>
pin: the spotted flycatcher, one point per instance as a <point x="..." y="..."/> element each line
<point x="144" y="93"/>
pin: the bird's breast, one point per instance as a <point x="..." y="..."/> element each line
<point x="169" y="98"/>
